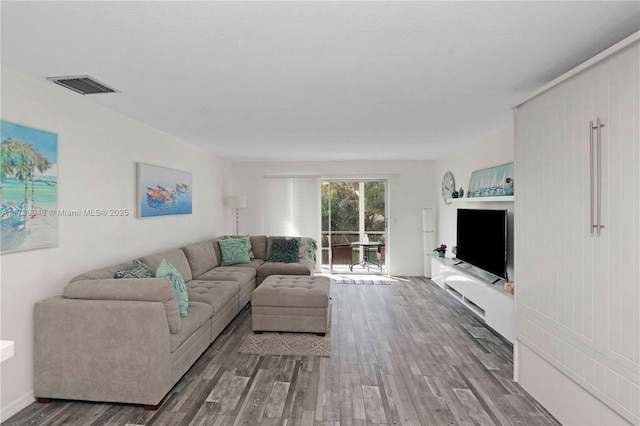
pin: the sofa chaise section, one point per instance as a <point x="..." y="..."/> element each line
<point x="111" y="342"/>
<point x="123" y="340"/>
<point x="261" y="262"/>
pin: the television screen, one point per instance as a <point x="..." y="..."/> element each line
<point x="482" y="240"/>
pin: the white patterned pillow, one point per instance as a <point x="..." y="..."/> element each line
<point x="307" y="248"/>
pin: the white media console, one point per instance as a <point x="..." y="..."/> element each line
<point x="491" y="302"/>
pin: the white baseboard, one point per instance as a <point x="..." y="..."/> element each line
<point x="16" y="406"/>
<point x="569" y="403"/>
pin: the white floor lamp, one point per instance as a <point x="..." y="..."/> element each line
<point x="237" y="202"/>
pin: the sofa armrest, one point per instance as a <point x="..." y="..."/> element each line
<point x="130" y="289"/>
<point x="101" y="350"/>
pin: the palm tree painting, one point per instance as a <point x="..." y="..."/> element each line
<point x="28" y="188"/>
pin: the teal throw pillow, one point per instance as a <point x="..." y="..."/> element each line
<point x="286" y="251"/>
<point x="136" y="270"/>
<point x="247" y="238"/>
<point x="234" y="251"/>
<point x="167" y="270"/>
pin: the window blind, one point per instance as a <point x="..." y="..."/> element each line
<point x="292" y="207"/>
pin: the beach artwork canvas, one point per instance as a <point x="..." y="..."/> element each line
<point x="28" y="188"/>
<point x="163" y="191"/>
<point x="492" y="182"/>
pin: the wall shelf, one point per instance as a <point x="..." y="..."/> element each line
<point x="501" y="198"/>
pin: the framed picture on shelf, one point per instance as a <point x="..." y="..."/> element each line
<point x="491" y="182"/>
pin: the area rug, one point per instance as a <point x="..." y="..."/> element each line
<point x="362" y="279"/>
<point x="299" y="344"/>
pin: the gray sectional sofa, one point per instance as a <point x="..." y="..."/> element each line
<point x="123" y="340"/>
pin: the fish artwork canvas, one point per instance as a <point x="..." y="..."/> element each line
<point x="28" y="188"/>
<point x="163" y="191"/>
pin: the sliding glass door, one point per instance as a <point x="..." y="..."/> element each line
<point x="354" y="211"/>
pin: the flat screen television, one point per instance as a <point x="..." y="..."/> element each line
<point x="481" y="240"/>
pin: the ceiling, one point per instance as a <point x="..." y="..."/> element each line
<point x="287" y="81"/>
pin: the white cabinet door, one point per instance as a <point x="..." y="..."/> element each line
<point x="438" y="271"/>
<point x="616" y="250"/>
<point x="577" y="294"/>
<point x="498" y="306"/>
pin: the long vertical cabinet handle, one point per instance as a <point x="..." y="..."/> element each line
<point x="595" y="159"/>
<point x="599" y="225"/>
<point x="591" y="185"/>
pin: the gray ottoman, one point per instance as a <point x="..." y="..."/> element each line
<point x="291" y="303"/>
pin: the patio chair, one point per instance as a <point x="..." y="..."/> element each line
<point x="342" y="252"/>
<point x="381" y="255"/>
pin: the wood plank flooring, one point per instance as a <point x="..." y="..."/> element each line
<point x="402" y="354"/>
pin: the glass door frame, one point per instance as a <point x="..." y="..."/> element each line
<point x="361" y="232"/>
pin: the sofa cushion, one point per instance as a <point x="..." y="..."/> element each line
<point x="259" y="246"/>
<point x="137" y="269"/>
<point x="214" y="293"/>
<point x="240" y="274"/>
<point x="255" y="263"/>
<point x="283" y="250"/>
<point x="201" y="257"/>
<point x="303" y="267"/>
<point x="167" y="270"/>
<point x="216" y="248"/>
<point x="176" y="257"/>
<point x="199" y="314"/>
<point x="234" y="251"/>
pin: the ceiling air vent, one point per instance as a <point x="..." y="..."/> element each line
<point x="83" y="84"/>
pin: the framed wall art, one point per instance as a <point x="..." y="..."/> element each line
<point x="28" y="188"/>
<point x="163" y="191"/>
<point x="492" y="182"/>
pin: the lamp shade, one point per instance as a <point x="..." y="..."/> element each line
<point x="236" y="201"/>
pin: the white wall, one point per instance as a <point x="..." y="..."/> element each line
<point x="410" y="189"/>
<point x="97" y="152"/>
<point x="491" y="150"/>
